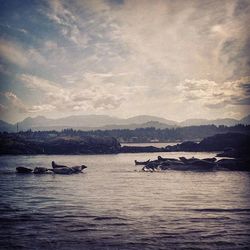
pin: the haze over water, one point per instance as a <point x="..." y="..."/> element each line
<point x="115" y="206"/>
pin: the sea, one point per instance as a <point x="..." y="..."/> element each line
<point x="115" y="205"/>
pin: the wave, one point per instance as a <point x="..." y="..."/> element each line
<point x="108" y="218"/>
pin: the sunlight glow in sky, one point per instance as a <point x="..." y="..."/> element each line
<point x="175" y="59"/>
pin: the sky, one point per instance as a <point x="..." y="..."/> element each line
<point x="175" y="59"/>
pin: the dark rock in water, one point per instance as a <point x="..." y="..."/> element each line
<point x="195" y="164"/>
<point x="239" y="164"/>
<point x="203" y="164"/>
<point x="135" y="149"/>
<point x="235" y="153"/>
<point x="23" y="170"/>
<point x="226" y="142"/>
<point x="188" y="146"/>
<point x="23" y="144"/>
<point x="233" y="145"/>
<point x="228" y="153"/>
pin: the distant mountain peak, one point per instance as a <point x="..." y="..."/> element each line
<point x="88" y="122"/>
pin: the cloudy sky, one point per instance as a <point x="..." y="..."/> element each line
<point x="176" y="59"/>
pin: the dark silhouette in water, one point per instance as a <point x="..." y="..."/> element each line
<point x="56" y="168"/>
<point x="141" y="162"/>
<point x="65" y="169"/>
<point x="23" y="170"/>
<point x="54" y="165"/>
<point x="195" y="164"/>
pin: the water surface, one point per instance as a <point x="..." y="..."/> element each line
<point x="115" y="206"/>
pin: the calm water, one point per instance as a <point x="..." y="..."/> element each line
<point x="113" y="206"/>
<point x="158" y="144"/>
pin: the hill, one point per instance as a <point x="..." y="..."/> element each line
<point x="105" y="122"/>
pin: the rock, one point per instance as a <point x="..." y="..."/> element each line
<point x="239" y="164"/>
<point x="137" y="149"/>
<point x="225" y="142"/>
<point x="188" y="146"/>
<point x="203" y="164"/>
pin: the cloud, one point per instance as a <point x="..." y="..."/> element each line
<point x="215" y="95"/>
<point x="74" y="99"/>
<point x="13" y="53"/>
<point x="41" y="108"/>
<point x="39" y="83"/>
<point x="133" y="57"/>
<point x="20" y="56"/>
<point x="66" y="20"/>
<point x="15" y="102"/>
<point x="3" y="108"/>
<point x="24" y="31"/>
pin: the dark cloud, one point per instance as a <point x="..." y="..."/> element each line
<point x="116" y="2"/>
<point x="243" y="101"/>
<point x="242" y="6"/>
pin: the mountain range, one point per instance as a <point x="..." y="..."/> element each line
<point x="105" y="122"/>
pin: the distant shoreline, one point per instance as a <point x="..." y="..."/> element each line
<point x="233" y="144"/>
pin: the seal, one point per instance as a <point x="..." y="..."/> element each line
<point x="78" y="169"/>
<point x="23" y="170"/>
<point x="40" y="170"/>
<point x="63" y="170"/>
<point x="54" y="165"/>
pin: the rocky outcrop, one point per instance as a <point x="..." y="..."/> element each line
<point x="13" y="144"/>
<point x="195" y="164"/>
<point x="230" y="145"/>
<point x="138" y="149"/>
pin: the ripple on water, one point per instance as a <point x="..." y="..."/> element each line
<point x="113" y="207"/>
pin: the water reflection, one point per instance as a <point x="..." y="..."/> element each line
<point x="115" y="206"/>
